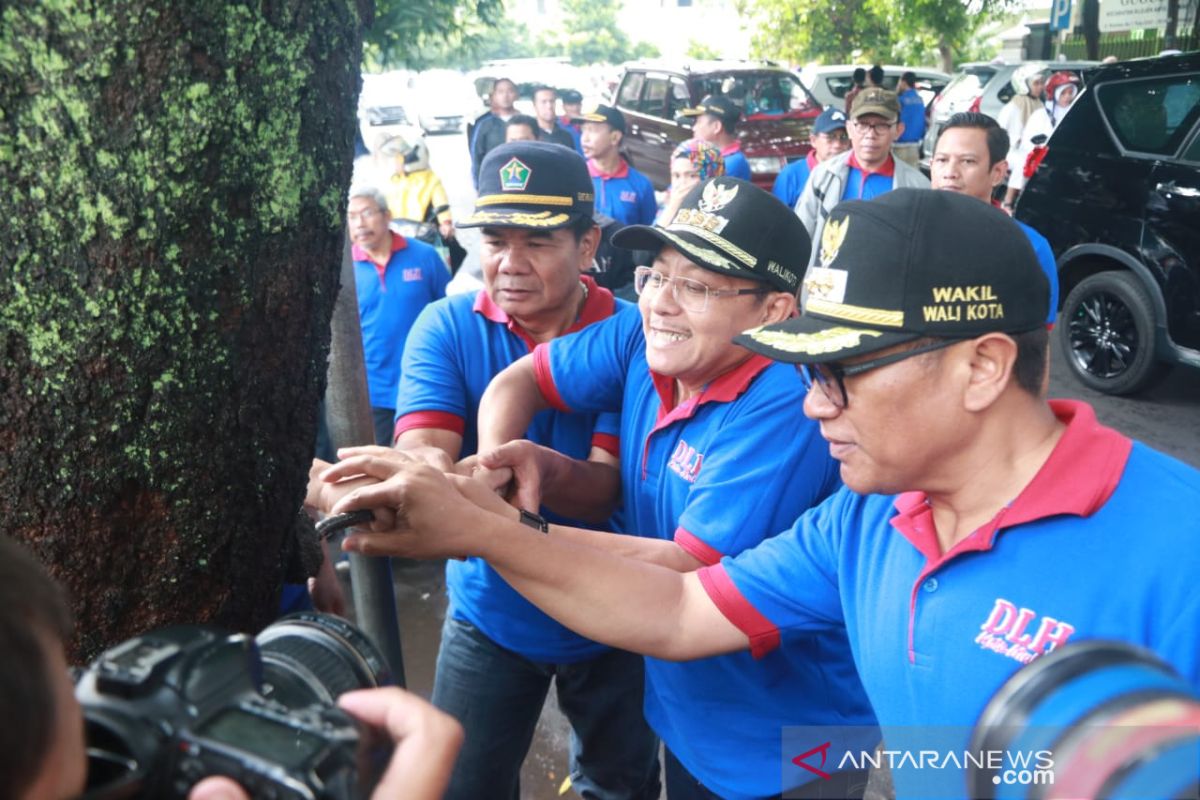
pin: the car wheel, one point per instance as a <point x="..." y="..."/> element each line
<point x="1107" y="333"/>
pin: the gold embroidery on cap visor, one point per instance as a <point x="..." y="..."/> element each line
<point x="878" y="317"/>
<point x="729" y="247"/>
<point x="524" y="199"/>
<point x="710" y="258"/>
<point x="830" y="340"/>
<point x="524" y="219"/>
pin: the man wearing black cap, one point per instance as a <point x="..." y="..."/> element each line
<point x="713" y="460"/>
<point x="498" y="653"/>
<point x="716" y="122"/>
<point x="867" y="170"/>
<point x="981" y="526"/>
<point x="622" y="192"/>
<point x="572" y="107"/>
<point x="828" y="139"/>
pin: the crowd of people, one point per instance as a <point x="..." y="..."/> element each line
<point x="800" y="481"/>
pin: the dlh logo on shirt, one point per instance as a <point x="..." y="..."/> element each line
<point x="685" y="461"/>
<point x="1004" y="632"/>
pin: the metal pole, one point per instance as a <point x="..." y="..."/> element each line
<point x="348" y="415"/>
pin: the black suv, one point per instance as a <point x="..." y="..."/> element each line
<point x="777" y="113"/>
<point x="1117" y="194"/>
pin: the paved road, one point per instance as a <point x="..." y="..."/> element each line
<point x="1166" y="417"/>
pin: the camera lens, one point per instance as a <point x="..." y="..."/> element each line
<point x="312" y="658"/>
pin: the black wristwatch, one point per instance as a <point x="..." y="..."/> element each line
<point x="533" y="520"/>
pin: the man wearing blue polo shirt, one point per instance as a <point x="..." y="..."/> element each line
<point x="713" y="460"/>
<point x="867" y="170"/>
<point x="828" y="139"/>
<point x="970" y="158"/>
<point x="621" y="191"/>
<point x="498" y="653"/>
<point x="980" y="528"/>
<point x="395" y="279"/>
<point x="716" y="122"/>
<point x="907" y="146"/>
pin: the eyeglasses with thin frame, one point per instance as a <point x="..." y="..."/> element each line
<point x="880" y="128"/>
<point x="366" y="213"/>
<point x="835" y="137"/>
<point x="689" y="294"/>
<point x="830" y="378"/>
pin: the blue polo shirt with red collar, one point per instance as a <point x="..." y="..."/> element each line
<point x="626" y="195"/>
<point x="454" y="350"/>
<point x="863" y="184"/>
<point x="1095" y="546"/>
<point x="789" y="184"/>
<point x="736" y="165"/>
<point x="716" y="474"/>
<point x="390" y="296"/>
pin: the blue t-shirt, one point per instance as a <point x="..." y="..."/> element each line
<point x="912" y="114"/>
<point x="736" y="165"/>
<point x="717" y="474"/>
<point x="626" y="195"/>
<point x="576" y="137"/>
<point x="454" y="350"/>
<point x="388" y="304"/>
<point x="1095" y="546"/>
<point x="789" y="184"/>
<point x="1045" y="257"/>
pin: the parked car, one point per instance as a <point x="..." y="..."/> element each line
<point x="442" y="99"/>
<point x="981" y="86"/>
<point x="777" y="112"/>
<point x="1117" y="194"/>
<point x="830" y="83"/>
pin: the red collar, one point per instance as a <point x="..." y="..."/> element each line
<point x="599" y="305"/>
<point x="887" y="170"/>
<point x="724" y="388"/>
<point x="1078" y="478"/>
<point x="811" y="158"/>
<point x="398" y="243"/>
<point x="621" y="171"/>
<point x="733" y="147"/>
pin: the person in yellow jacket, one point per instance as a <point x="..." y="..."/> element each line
<point x="414" y="192"/>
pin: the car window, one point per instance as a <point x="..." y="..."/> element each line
<point x="1193" y="151"/>
<point x="678" y="99"/>
<point x="838" y="85"/>
<point x="1151" y="115"/>
<point x="654" y="97"/>
<point x="630" y="90"/>
<point x="765" y="93"/>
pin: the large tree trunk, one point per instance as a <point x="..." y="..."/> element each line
<point x="174" y="180"/>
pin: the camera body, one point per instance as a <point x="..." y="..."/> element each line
<point x="167" y="708"/>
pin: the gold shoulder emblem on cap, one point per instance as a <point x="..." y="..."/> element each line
<point x="832" y="236"/>
<point x="715" y="197"/>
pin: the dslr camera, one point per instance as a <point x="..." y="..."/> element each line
<point x="170" y="707"/>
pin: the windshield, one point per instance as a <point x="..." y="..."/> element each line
<point x="760" y="94"/>
<point x="966" y="86"/>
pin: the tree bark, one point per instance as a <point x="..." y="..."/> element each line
<point x="174" y="190"/>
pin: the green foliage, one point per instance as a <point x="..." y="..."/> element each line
<point x="421" y="33"/>
<point x="867" y="31"/>
<point x="592" y="35"/>
<point x="701" y="50"/>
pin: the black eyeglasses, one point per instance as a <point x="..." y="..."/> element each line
<point x="831" y="377"/>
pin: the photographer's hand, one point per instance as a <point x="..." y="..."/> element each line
<point x="427" y="742"/>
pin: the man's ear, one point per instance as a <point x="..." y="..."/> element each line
<point x="778" y="306"/>
<point x="989" y="365"/>
<point x="899" y="129"/>
<point x="998" y="172"/>
<point x="589" y="243"/>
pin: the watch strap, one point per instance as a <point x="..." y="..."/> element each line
<point x="533" y="520"/>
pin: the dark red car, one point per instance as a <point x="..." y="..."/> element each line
<point x="777" y="112"/>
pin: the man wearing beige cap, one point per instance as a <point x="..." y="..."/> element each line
<point x="867" y="170"/>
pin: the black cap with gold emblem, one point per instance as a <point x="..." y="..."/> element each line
<point x="531" y="185"/>
<point x="731" y="226"/>
<point x="909" y="264"/>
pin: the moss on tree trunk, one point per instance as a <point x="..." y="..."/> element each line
<point x="174" y="178"/>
